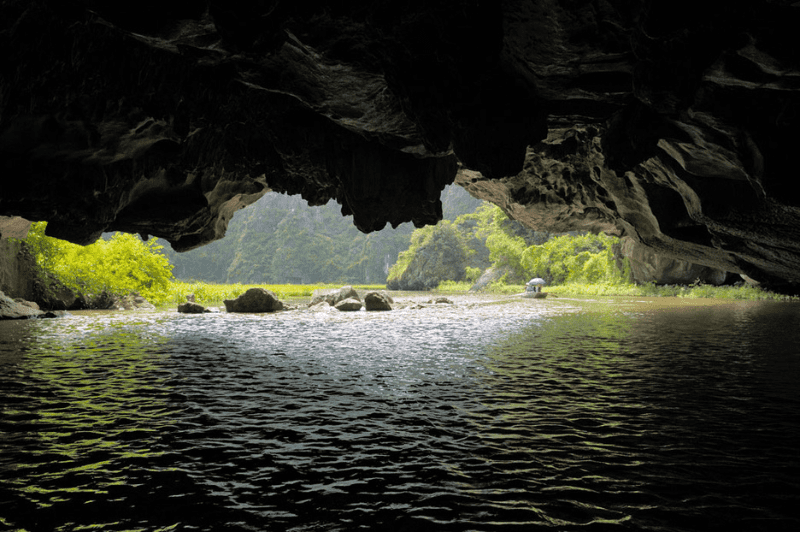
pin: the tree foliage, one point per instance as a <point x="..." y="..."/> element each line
<point x="569" y="259"/>
<point x="495" y="240"/>
<point x="281" y="239"/>
<point x="120" y="265"/>
<point x="437" y="253"/>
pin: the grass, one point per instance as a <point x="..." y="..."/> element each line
<point x="727" y="292"/>
<point x="215" y="293"/>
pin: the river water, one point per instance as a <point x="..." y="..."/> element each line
<point x="514" y="415"/>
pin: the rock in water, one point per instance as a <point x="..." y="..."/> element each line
<point x="377" y="301"/>
<point x="192" y="308"/>
<point x="9" y="309"/>
<point x="256" y="300"/>
<point x="350" y="304"/>
<point x="333" y="296"/>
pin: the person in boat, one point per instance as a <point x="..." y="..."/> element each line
<point x="534" y="285"/>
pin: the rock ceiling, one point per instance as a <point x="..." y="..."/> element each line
<point x="672" y="122"/>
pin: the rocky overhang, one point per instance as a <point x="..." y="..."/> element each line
<point x="674" y="123"/>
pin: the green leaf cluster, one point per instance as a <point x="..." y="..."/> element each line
<point x="120" y="265"/>
<point x="585" y="258"/>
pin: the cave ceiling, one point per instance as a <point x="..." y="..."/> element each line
<point x="672" y="122"/>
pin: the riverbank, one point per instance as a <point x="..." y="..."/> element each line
<point x="725" y="292"/>
<point x="298" y="296"/>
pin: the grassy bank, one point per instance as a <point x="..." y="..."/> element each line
<point x="727" y="292"/>
<point x="214" y="294"/>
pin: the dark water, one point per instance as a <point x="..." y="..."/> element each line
<point x="535" y="414"/>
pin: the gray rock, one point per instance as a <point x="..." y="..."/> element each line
<point x="349" y="304"/>
<point x="29" y="304"/>
<point x="440" y="300"/>
<point x="489" y="276"/>
<point x="192" y="308"/>
<point x="255" y="300"/>
<point x="323" y="296"/>
<point x="377" y="301"/>
<point x="9" y="309"/>
<point x="647" y="265"/>
<point x="333" y="296"/>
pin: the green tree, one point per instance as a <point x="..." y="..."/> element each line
<point x="120" y="265"/>
<point x="504" y="244"/>
<point x="585" y="258"/>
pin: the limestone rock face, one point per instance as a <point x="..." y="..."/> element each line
<point x="674" y="123"/>
<point x="489" y="276"/>
<point x="441" y="257"/>
<point x="647" y="266"/>
<point x="255" y="300"/>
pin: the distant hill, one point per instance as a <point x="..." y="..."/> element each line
<point x="281" y="239"/>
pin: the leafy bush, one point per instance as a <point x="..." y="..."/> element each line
<point x="121" y="265"/>
<point x="566" y="259"/>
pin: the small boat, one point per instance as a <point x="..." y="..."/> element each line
<point x="533" y="289"/>
<point x="532" y="294"/>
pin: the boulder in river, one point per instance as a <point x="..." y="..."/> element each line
<point x="321" y="306"/>
<point x="377" y="301"/>
<point x="333" y="296"/>
<point x="255" y="300"/>
<point x="349" y="304"/>
<point x="192" y="308"/>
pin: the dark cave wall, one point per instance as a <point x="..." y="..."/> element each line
<point x="673" y="123"/>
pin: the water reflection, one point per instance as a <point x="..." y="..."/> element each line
<point x="523" y="415"/>
<point x="653" y="416"/>
<point x="83" y="403"/>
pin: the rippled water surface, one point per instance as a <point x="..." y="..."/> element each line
<point x="517" y="415"/>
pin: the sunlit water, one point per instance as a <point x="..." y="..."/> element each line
<point x="531" y="414"/>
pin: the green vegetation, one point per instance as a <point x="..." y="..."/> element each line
<point x="572" y="264"/>
<point x="281" y="239"/>
<point x="435" y="253"/>
<point x="727" y="292"/>
<point x="575" y="259"/>
<point x="120" y="265"/>
<point x="696" y="290"/>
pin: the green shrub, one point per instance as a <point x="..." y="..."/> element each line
<point x="568" y="259"/>
<point x="121" y="265"/>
